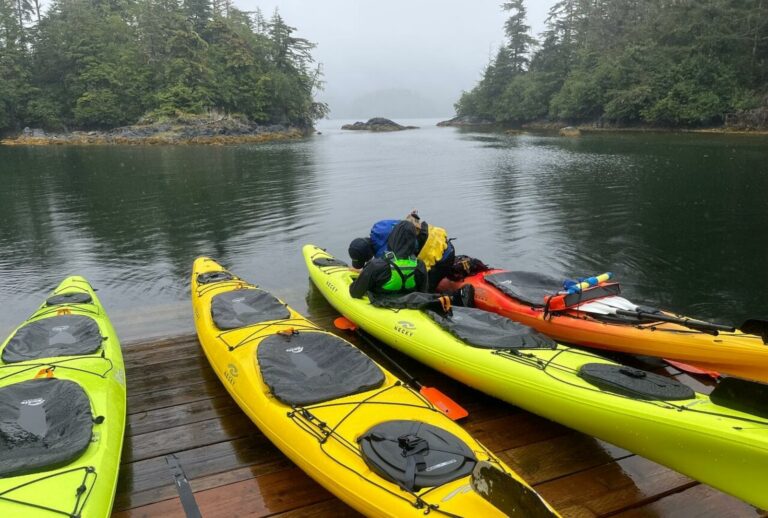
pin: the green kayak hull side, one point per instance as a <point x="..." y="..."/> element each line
<point x="719" y="446"/>
<point x="86" y="486"/>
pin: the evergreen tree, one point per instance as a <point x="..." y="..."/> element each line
<point x="661" y="62"/>
<point x="104" y="63"/>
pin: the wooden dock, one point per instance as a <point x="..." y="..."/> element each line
<point x="179" y="414"/>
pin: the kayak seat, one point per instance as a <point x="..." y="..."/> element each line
<point x="311" y="367"/>
<point x="44" y="423"/>
<point x="415" y="455"/>
<point x="61" y="335"/>
<point x="240" y="308"/>
<point x="488" y="330"/>
<point x="528" y="287"/>
<point x="634" y="383"/>
<point x="73" y="297"/>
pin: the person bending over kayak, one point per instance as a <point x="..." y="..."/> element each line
<point x="432" y="245"/>
<point x="398" y="271"/>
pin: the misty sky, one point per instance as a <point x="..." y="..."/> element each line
<point x="432" y="48"/>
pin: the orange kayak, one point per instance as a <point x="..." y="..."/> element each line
<point x="606" y="322"/>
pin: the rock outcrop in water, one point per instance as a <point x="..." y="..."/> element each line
<point x="178" y="130"/>
<point x="377" y="124"/>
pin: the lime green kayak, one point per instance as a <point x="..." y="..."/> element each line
<point x="650" y="415"/>
<point x="62" y="409"/>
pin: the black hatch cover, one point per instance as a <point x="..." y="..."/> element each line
<point x="240" y="308"/>
<point x="61" y="335"/>
<point x="415" y="455"/>
<point x="310" y="367"/>
<point x="44" y="423"/>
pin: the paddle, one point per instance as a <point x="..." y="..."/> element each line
<point x="756" y="326"/>
<point x="621" y="306"/>
<point x="698" y="325"/>
<point x="693" y="370"/>
<point x="445" y="404"/>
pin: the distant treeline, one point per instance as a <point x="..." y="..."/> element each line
<point x="626" y="62"/>
<point x="105" y="63"/>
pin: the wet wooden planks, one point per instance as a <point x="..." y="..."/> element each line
<point x="177" y="406"/>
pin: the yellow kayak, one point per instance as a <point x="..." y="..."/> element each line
<point x="352" y="426"/>
<point x="62" y="409"/>
<point x="721" y="439"/>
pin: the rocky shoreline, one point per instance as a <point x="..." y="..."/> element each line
<point x="187" y="130"/>
<point x="568" y="129"/>
<point x="467" y="121"/>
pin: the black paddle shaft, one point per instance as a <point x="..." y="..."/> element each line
<point x="687" y="322"/>
<point x="410" y="379"/>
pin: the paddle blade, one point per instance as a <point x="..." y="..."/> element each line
<point x="443" y="403"/>
<point x="756" y="326"/>
<point x="685" y="367"/>
<point x="344" y="324"/>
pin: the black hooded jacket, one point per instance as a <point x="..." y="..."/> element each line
<point x="403" y="241"/>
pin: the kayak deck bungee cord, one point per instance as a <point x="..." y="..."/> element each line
<point x="612" y="322"/>
<point x="706" y="438"/>
<point x="62" y="409"/>
<point x="375" y="443"/>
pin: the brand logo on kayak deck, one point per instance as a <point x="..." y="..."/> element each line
<point x="331" y="286"/>
<point x="441" y="465"/>
<point x="120" y="376"/>
<point x="33" y="402"/>
<point x="458" y="491"/>
<point x="294" y="350"/>
<point x="404" y="327"/>
<point x="231" y="373"/>
<point x="59" y="329"/>
<point x="238" y="299"/>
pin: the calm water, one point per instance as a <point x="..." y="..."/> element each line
<point x="682" y="219"/>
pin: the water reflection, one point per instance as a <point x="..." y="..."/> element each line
<point x="676" y="217"/>
<point x="133" y="219"/>
<point x="680" y="218"/>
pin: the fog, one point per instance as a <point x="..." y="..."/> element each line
<point x="397" y="58"/>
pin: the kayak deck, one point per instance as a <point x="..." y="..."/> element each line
<point x="177" y="406"/>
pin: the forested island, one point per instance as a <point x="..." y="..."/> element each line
<point x="193" y="67"/>
<point x="629" y="63"/>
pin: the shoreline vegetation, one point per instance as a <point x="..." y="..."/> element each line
<point x="143" y="72"/>
<point x="620" y="65"/>
<point x="472" y="123"/>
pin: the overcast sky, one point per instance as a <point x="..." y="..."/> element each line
<point x="432" y="48"/>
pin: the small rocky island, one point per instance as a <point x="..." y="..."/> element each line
<point x="377" y="124"/>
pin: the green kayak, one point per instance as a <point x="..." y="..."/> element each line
<point x="62" y="409"/>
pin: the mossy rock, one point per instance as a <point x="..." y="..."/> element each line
<point x="570" y="131"/>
